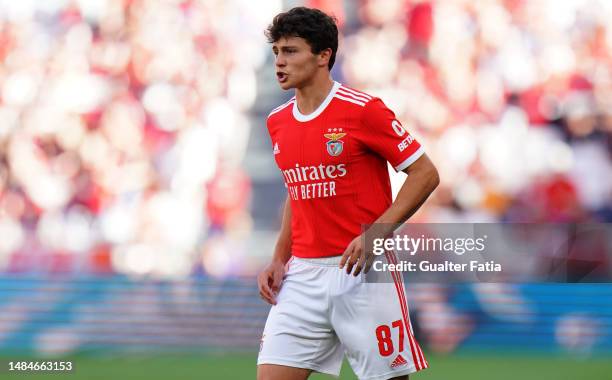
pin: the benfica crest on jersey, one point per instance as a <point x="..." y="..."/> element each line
<point x="335" y="145"/>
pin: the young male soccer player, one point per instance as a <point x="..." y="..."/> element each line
<point x="332" y="144"/>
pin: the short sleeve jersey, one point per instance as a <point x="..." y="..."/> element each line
<point x="334" y="164"/>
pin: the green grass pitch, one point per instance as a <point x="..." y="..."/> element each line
<point x="472" y="366"/>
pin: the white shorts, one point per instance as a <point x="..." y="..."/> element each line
<point x="322" y="313"/>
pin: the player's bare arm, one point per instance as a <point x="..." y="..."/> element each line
<point x="270" y="279"/>
<point x="422" y="180"/>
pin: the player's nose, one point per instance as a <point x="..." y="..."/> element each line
<point x="280" y="61"/>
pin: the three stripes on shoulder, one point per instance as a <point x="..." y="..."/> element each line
<point x="342" y="93"/>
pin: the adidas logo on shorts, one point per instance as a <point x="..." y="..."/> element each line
<point x="399" y="361"/>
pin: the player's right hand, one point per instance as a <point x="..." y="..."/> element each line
<point x="269" y="281"/>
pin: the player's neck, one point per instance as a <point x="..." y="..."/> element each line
<point x="310" y="97"/>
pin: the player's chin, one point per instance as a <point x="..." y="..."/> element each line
<point x="286" y="85"/>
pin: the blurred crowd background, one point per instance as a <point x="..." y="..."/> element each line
<point x="133" y="141"/>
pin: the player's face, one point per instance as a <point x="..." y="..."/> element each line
<point x="295" y="62"/>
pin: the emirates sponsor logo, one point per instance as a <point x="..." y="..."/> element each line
<point x="313" y="173"/>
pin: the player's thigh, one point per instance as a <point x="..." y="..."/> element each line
<point x="281" y="372"/>
<point x="295" y="339"/>
<point x="298" y="333"/>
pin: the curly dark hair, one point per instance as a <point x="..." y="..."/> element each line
<point x="313" y="25"/>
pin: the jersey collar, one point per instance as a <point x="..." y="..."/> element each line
<point x="301" y="117"/>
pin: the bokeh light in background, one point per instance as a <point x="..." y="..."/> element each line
<point x="130" y="128"/>
<point x="510" y="98"/>
<point x="124" y="128"/>
<point x="133" y="140"/>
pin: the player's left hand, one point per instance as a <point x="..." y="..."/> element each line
<point x="355" y="257"/>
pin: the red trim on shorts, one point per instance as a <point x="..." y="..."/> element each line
<point x="404" y="316"/>
<point x="421" y="363"/>
<point x="424" y="362"/>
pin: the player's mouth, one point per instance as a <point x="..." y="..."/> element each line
<point x="282" y="77"/>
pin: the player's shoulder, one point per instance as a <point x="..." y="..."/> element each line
<point x="354" y="98"/>
<point x="281" y="110"/>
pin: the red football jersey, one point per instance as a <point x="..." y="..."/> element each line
<point x="334" y="163"/>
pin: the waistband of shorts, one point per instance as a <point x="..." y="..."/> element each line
<point x="332" y="261"/>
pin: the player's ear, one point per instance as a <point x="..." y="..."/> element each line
<point x="324" y="57"/>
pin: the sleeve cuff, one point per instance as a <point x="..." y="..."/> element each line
<point x="410" y="160"/>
